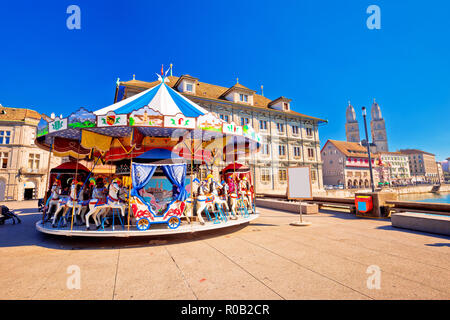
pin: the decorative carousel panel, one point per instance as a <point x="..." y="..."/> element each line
<point x="209" y="122"/>
<point x="112" y="120"/>
<point x="146" y="117"/>
<point x="250" y="133"/>
<point x="57" y="125"/>
<point x="82" y="119"/>
<point x="232" y="128"/>
<point x="179" y="121"/>
<point x="42" y="128"/>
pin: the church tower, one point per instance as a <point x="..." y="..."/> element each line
<point x="351" y="125"/>
<point x="378" y="128"/>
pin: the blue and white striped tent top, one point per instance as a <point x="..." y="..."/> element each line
<point x="161" y="98"/>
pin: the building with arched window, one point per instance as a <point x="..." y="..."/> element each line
<point x="23" y="166"/>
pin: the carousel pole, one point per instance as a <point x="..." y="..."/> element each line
<point x="46" y="180"/>
<point x="75" y="177"/>
<point x="192" y="176"/>
<point x="131" y="182"/>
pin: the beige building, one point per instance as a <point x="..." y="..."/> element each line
<point x="422" y="165"/>
<point x="289" y="138"/>
<point x="347" y="164"/>
<point x="395" y="168"/>
<point x="23" y="166"/>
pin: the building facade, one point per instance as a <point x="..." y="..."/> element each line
<point x="289" y="138"/>
<point x="347" y="164"/>
<point x="396" y="168"/>
<point x="23" y="169"/>
<point x="422" y="165"/>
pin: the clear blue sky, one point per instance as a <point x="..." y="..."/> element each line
<point x="318" y="53"/>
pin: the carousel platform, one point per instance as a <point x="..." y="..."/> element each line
<point x="154" y="230"/>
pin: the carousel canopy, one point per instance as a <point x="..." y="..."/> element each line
<point x="142" y="122"/>
<point x="161" y="99"/>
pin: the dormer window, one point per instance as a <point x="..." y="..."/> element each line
<point x="243" y="97"/>
<point x="281" y="103"/>
<point x="189" y="87"/>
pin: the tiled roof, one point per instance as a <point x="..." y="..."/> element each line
<point x="214" y="92"/>
<point x="351" y="149"/>
<point x="414" y="151"/>
<point x="17" y="114"/>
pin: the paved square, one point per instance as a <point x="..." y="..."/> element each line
<point x="267" y="259"/>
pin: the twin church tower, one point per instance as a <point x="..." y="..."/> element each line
<point x="377" y="128"/>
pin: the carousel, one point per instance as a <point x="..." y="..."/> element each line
<point x="164" y="149"/>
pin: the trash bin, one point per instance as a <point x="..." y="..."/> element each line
<point x="364" y="204"/>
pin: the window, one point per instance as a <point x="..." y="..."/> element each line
<point x="309" y="132"/>
<point x="296" y="151"/>
<point x="224" y="117"/>
<point x="244" y="121"/>
<point x="311" y="153"/>
<point x="4" y="156"/>
<point x="5" y="137"/>
<point x="189" y="87"/>
<point x="295" y="130"/>
<point x="34" y="160"/>
<point x="265" y="149"/>
<point x="282" y="150"/>
<point x="282" y="175"/>
<point x="285" y="106"/>
<point x="243" y="97"/>
<point x="265" y="175"/>
<point x="262" y="124"/>
<point x="313" y="175"/>
<point x="280" y="127"/>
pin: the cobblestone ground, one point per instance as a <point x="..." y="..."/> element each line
<point x="337" y="257"/>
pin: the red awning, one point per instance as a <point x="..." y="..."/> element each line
<point x="69" y="167"/>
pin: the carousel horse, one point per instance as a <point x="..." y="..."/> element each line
<point x="190" y="201"/>
<point x="53" y="200"/>
<point x="245" y="193"/>
<point x="100" y="208"/>
<point x="82" y="205"/>
<point x="67" y="203"/>
<point x="217" y="200"/>
<point x="233" y="196"/>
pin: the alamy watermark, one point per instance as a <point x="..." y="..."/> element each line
<point x="74" y="20"/>
<point x="374" y="280"/>
<point x="374" y="20"/>
<point x="74" y="278"/>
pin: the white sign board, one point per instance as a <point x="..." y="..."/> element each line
<point x="299" y="183"/>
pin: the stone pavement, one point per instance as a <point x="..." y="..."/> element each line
<point x="267" y="259"/>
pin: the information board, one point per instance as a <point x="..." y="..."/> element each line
<point x="299" y="183"/>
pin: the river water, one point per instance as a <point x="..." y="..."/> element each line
<point x="426" y="197"/>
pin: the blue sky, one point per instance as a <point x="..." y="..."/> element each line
<point x="318" y="53"/>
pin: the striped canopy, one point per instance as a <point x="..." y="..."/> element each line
<point x="161" y="98"/>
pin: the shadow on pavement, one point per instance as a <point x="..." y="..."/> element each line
<point x="414" y="232"/>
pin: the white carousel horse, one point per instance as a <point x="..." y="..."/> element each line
<point x="217" y="201"/>
<point x="53" y="200"/>
<point x="99" y="208"/>
<point x="65" y="204"/>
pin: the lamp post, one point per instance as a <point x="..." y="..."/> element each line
<point x="368" y="149"/>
